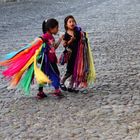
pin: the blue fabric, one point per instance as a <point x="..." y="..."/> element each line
<point x="49" y="70"/>
<point x="12" y="54"/>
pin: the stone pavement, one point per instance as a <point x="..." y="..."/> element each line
<point x="111" y="109"/>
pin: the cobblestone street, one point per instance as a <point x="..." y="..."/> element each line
<point x="111" y="109"/>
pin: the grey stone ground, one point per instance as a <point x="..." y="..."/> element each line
<point x="111" y="110"/>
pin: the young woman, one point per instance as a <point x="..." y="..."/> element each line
<point x="80" y="63"/>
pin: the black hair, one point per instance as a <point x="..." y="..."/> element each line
<point x="66" y="20"/>
<point x="49" y="24"/>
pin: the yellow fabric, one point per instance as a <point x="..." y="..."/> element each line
<point x="40" y="76"/>
<point x="92" y="74"/>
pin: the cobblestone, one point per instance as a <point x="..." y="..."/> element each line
<point x="111" y="109"/>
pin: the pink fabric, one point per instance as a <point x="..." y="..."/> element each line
<point x="48" y="38"/>
<point x="19" y="63"/>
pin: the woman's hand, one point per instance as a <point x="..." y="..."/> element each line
<point x="72" y="38"/>
<point x="59" y="41"/>
<point x="61" y="38"/>
<point x="64" y="43"/>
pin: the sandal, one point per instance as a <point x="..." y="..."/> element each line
<point x="58" y="95"/>
<point x="41" y="95"/>
<point x="75" y="90"/>
<point x="70" y="90"/>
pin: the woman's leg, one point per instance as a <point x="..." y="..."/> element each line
<point x="41" y="94"/>
<point x="40" y="89"/>
<point x="66" y="76"/>
<point x="56" y="72"/>
<point x="57" y="91"/>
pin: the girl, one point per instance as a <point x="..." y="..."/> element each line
<point x="80" y="63"/>
<point x="23" y="64"/>
<point x="51" y="27"/>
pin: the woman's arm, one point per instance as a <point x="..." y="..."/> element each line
<point x="67" y="43"/>
<point x="71" y="40"/>
<point x="56" y="44"/>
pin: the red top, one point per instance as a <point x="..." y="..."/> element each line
<point x="49" y="39"/>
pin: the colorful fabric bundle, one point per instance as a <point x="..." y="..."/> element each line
<point x="23" y="66"/>
<point x="84" y="70"/>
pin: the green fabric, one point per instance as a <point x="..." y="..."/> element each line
<point x="26" y="80"/>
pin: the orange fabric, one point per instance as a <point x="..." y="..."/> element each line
<point x="35" y="43"/>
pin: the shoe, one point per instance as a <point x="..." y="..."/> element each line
<point x="84" y="91"/>
<point x="70" y="90"/>
<point x="75" y="90"/>
<point x="63" y="87"/>
<point x="41" y="95"/>
<point x="58" y="95"/>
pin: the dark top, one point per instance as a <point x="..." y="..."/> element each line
<point x="74" y="44"/>
<point x="74" y="47"/>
